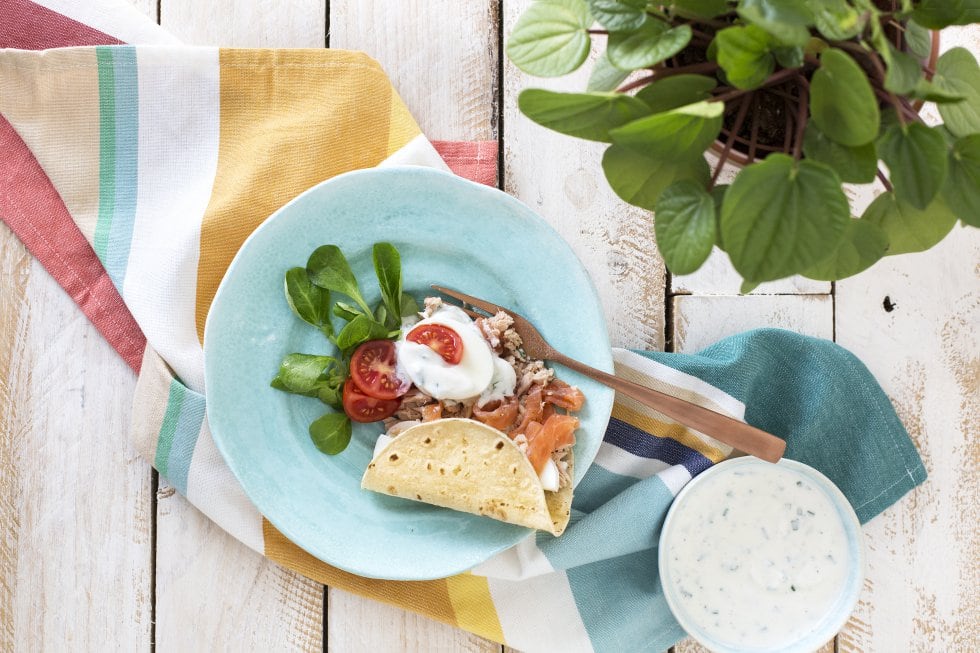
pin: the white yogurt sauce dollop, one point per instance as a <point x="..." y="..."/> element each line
<point x="433" y="375"/>
<point x="758" y="556"/>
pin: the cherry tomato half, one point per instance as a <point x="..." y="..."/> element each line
<point x="363" y="408"/>
<point x="372" y="366"/>
<point x="441" y="339"/>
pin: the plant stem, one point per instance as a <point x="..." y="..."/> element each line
<point x="899" y="107"/>
<point x="801" y="114"/>
<point x="743" y="108"/>
<point x="660" y="73"/>
<point x="643" y="81"/>
<point x="771" y="80"/>
<point x="884" y="180"/>
<point x="851" y="46"/>
<point x="876" y="62"/>
<point x="695" y="68"/>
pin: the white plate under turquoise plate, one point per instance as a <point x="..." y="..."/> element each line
<point x="449" y="231"/>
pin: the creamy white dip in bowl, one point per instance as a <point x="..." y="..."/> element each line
<point x="756" y="557"/>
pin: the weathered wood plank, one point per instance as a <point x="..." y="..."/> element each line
<point x="357" y="625"/>
<point x="699" y="321"/>
<point x="251" y="603"/>
<point x="921" y="345"/>
<point x="441" y="57"/>
<point x="718" y="277"/>
<point x="561" y="178"/>
<point x="255" y="24"/>
<point x="247" y="601"/>
<point x="75" y="543"/>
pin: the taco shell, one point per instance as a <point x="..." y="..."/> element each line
<point x="468" y="466"/>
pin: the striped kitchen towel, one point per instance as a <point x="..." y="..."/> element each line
<point x="135" y="172"/>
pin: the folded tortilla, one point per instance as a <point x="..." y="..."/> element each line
<point x="468" y="466"/>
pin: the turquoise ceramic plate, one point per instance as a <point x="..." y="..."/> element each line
<point x="449" y="231"/>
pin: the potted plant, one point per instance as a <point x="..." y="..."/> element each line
<point x="805" y="95"/>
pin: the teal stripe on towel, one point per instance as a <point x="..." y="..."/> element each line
<point x="165" y="439"/>
<point x="187" y="430"/>
<point x="126" y="102"/>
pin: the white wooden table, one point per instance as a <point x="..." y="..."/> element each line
<point x="98" y="553"/>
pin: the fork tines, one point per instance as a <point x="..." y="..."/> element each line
<point x="469" y="299"/>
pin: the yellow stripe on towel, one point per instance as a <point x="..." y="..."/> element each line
<point x="289" y="120"/>
<point x="473" y="605"/>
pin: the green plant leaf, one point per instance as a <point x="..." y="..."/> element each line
<point x="902" y="71"/>
<point x="781" y="217"/>
<point x="640" y="179"/>
<point x="551" y="37"/>
<point x="585" y="115"/>
<point x="909" y="229"/>
<point x="789" y="56"/>
<point x="962" y="188"/>
<point x="388" y="269"/>
<point x="647" y="46"/>
<point x="684" y="222"/>
<point x="743" y="53"/>
<point x="331" y="433"/>
<point x="308" y="301"/>
<point x="841" y="100"/>
<point x="836" y="19"/>
<point x="679" y="134"/>
<point x="676" y="91"/>
<point x="863" y="244"/>
<point x="937" y="14"/>
<point x="302" y="373"/>
<point x="329" y="269"/>
<point x="619" y="15"/>
<point x="957" y="73"/>
<point x="359" y="330"/>
<point x="916" y="160"/>
<point x="787" y="20"/>
<point x="605" y="76"/>
<point x="856" y="165"/>
<point x="919" y="39"/>
<point x="701" y="8"/>
<point x="926" y="90"/>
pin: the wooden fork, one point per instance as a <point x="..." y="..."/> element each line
<point x="723" y="428"/>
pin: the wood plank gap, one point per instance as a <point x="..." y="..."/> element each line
<point x="668" y="312"/>
<point x="326" y="44"/>
<point x="833" y="320"/>
<point x="497" y="115"/>
<point x="154" y="486"/>
<point x="159" y="2"/>
<point x="326" y="589"/>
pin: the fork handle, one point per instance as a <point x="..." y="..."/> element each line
<point x="723" y="428"/>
